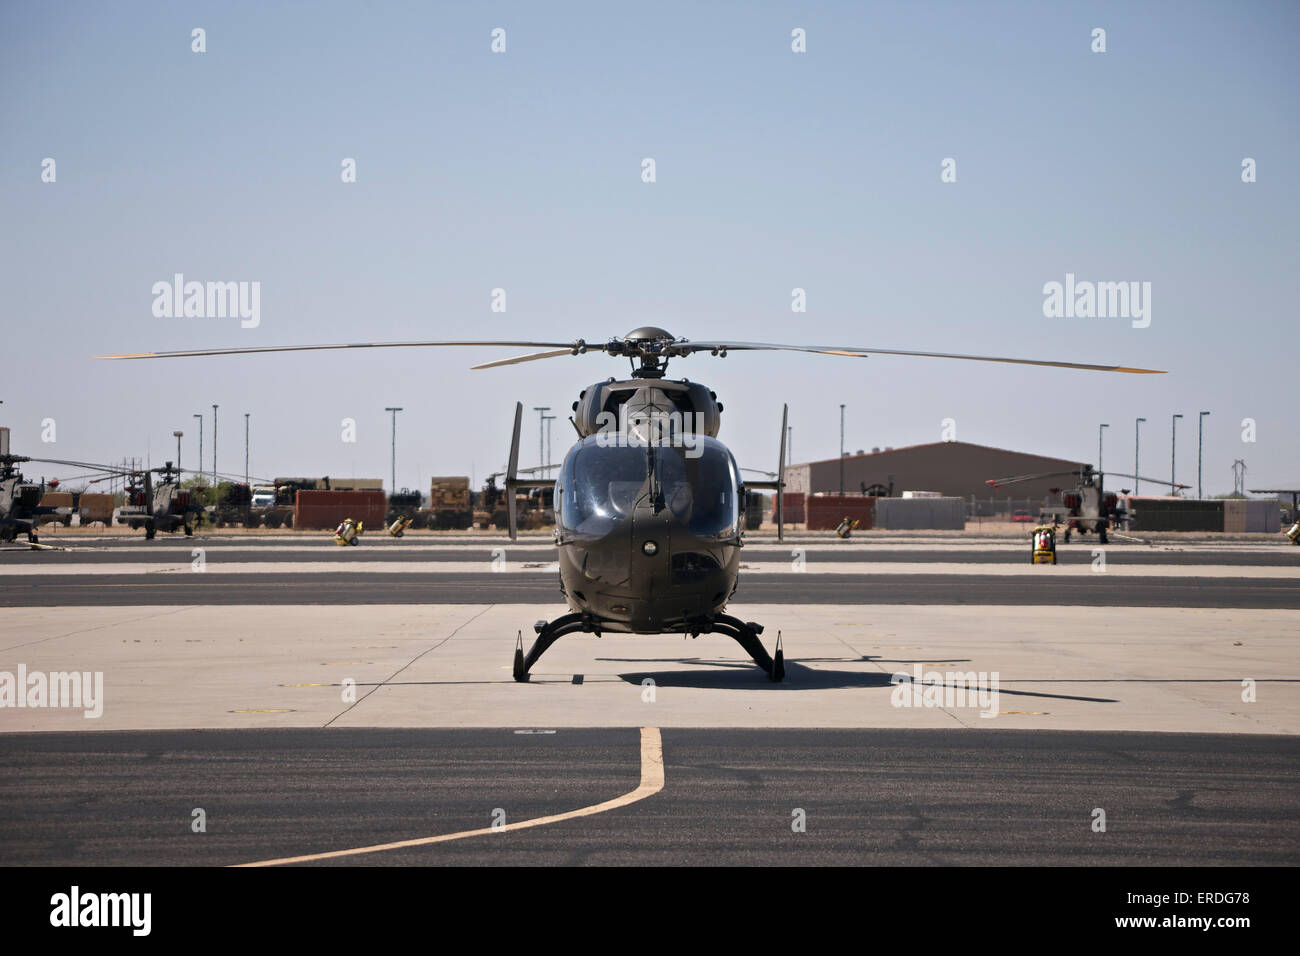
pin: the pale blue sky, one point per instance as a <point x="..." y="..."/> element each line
<point x="775" y="170"/>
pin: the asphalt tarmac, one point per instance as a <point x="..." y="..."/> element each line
<point x="913" y="797"/>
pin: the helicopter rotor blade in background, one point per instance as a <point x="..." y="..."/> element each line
<point x="1154" y="481"/>
<point x="856" y="352"/>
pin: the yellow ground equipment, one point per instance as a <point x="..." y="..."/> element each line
<point x="399" y="526"/>
<point x="349" y="532"/>
<point x="1044" y="545"/>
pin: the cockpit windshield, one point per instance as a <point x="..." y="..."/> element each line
<point x="602" y="484"/>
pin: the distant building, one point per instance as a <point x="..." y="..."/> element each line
<point x="951" y="468"/>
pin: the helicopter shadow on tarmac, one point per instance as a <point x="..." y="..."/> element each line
<point x="742" y="675"/>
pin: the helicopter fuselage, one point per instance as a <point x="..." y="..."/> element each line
<point x="649" y="522"/>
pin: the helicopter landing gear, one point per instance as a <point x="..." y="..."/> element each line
<point x="189" y="531"/>
<point x="150" y="530"/>
<point x="745" y="633"/>
<point x="548" y="632"/>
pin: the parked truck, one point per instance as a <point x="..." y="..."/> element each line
<point x="449" y="503"/>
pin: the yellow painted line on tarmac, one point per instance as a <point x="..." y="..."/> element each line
<point x="652" y="781"/>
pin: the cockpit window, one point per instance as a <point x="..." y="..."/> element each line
<point x="700" y="490"/>
<point x="602" y="485"/>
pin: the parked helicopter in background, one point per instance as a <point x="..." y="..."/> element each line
<point x="648" y="501"/>
<point x="159" y="506"/>
<point x="20" y="499"/>
<point x="21" y="510"/>
<point x="1089" y="507"/>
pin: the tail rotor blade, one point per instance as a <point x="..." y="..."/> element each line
<point x="780" y="478"/>
<point x="512" y="471"/>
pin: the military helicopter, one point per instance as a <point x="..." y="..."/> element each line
<point x="159" y="506"/>
<point x="648" y="501"/>
<point x="1089" y="506"/>
<point x="20" y="500"/>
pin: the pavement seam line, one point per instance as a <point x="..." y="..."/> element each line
<point x="652" y="781"/>
<point x="346" y="710"/>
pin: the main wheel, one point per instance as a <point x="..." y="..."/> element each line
<point x="521" y="675"/>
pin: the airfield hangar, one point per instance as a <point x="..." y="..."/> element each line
<point x="951" y="468"/>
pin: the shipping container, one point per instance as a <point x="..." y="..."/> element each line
<point x="96" y="507"/>
<point x="324" y="510"/>
<point x="917" y="514"/>
<point x="825" y="512"/>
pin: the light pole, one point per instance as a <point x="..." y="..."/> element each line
<point x="789" y="442"/>
<point x="541" y="429"/>
<point x="1173" y="454"/>
<point x="841" y="449"/>
<point x="214" y="447"/>
<point x="548" y="419"/>
<point x="1137" y="445"/>
<point x="178" y="453"/>
<point x="246" y="447"/>
<point x="394" y="410"/>
<point x="199" y="470"/>
<point x="1200" y="435"/>
<point x="1099" y="434"/>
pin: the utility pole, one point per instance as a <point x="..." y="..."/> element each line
<point x="214" y="447"/>
<point x="245" y="447"/>
<point x="394" y="410"/>
<point x="1200" y="437"/>
<point x="1137" y="444"/>
<point x="841" y="449"/>
<point x="548" y="419"/>
<point x="541" y="429"/>
<point x="1173" y="455"/>
<point x="789" y="442"/>
<point x="178" y="454"/>
<point x="1099" y="434"/>
<point x="199" y="471"/>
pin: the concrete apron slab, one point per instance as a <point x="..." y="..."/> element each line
<point x="1154" y="669"/>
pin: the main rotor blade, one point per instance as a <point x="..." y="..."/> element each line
<point x="855" y="352"/>
<point x="567" y="346"/>
<point x="523" y="358"/>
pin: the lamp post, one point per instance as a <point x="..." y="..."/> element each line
<point x="245" y="447"/>
<point x="394" y="410"/>
<point x="214" y="447"/>
<point x="1137" y="445"/>
<point x="1099" y="434"/>
<point x="548" y="419"/>
<point x="177" y="436"/>
<point x="199" y="470"/>
<point x="541" y="430"/>
<point x="1200" y="436"/>
<point x="1173" y="455"/>
<point x="841" y="449"/>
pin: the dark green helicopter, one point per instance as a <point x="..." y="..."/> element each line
<point x="648" y="502"/>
